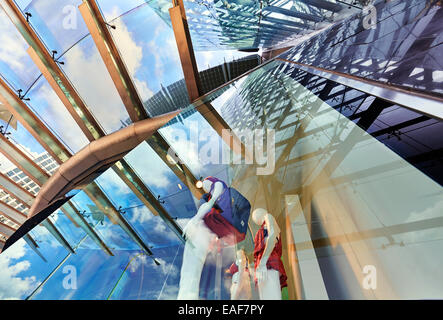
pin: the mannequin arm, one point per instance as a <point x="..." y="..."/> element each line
<point x="216" y="192"/>
<point x="204" y="208"/>
<point x="273" y="232"/>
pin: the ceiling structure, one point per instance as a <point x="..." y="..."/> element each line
<point x="335" y="65"/>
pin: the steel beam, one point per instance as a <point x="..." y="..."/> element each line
<point x="57" y="234"/>
<point x="107" y="207"/>
<point x="33" y="245"/>
<point x="15" y="190"/>
<point x="185" y="49"/>
<point x="22" y="161"/>
<point x="64" y="89"/>
<point x="12" y="214"/>
<point x="322" y="4"/>
<point x="152" y="204"/>
<point x="70" y="209"/>
<point x="192" y="78"/>
<point x="31" y="123"/>
<point x="37" y="174"/>
<point x="130" y="97"/>
<point x="26" y="198"/>
<point x="6" y="231"/>
<point x="34" y="172"/>
<point x="292" y="13"/>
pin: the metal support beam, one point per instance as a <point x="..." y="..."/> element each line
<point x="57" y="234"/>
<point x="6" y="231"/>
<point x="31" y="123"/>
<point x="66" y="92"/>
<point x="12" y="214"/>
<point x="291" y="13"/>
<point x="26" y="198"/>
<point x="34" y="172"/>
<point x="130" y="97"/>
<point x="152" y="204"/>
<point x="33" y="245"/>
<point x="185" y="49"/>
<point x="192" y="79"/>
<point x="22" y="161"/>
<point x="108" y="208"/>
<point x="90" y="231"/>
<point x="322" y="4"/>
<point x="15" y="190"/>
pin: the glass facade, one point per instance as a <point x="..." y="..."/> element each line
<point x="338" y="189"/>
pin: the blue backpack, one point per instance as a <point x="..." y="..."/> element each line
<point x="239" y="209"/>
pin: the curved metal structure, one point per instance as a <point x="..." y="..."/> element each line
<point x="84" y="167"/>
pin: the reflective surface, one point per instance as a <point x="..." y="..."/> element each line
<point x="353" y="182"/>
<point x="402" y="48"/>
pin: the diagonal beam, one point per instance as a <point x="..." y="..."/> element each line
<point x="39" y="176"/>
<point x="57" y="234"/>
<point x="34" y="172"/>
<point x="66" y="91"/>
<point x="417" y="101"/>
<point x="6" y="231"/>
<point x="185" y="49"/>
<point x="34" y="246"/>
<point x="127" y="90"/>
<point x="15" y="190"/>
<point x="12" y="214"/>
<point x="192" y="79"/>
<point x="26" y="198"/>
<point x="323" y="4"/>
<point x="73" y="102"/>
<point x="32" y="124"/>
<point x="292" y="13"/>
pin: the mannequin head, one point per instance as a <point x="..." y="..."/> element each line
<point x="258" y="216"/>
<point x="207" y="185"/>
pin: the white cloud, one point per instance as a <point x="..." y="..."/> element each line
<point x="132" y="55"/>
<point x="434" y="211"/>
<point x="149" y="166"/>
<point x="91" y="79"/>
<point x="12" y="49"/>
<point x="12" y="286"/>
<point x="58" y="114"/>
<point x="142" y="216"/>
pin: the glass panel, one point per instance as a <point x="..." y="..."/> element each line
<point x="403" y="48"/>
<point x="15" y="64"/>
<point x="85" y="69"/>
<point x="163" y="183"/>
<point x="48" y="107"/>
<point x="112" y="9"/>
<point x="354" y="190"/>
<point x="58" y="23"/>
<point x="151" y="57"/>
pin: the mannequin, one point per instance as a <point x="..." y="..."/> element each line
<point x="200" y="232"/>
<point x="270" y="274"/>
<point x="240" y="287"/>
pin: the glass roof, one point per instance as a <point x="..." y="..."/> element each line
<point x="352" y="154"/>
